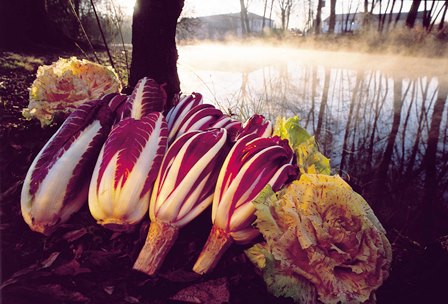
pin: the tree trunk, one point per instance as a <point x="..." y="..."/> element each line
<point x="383" y="21"/>
<point x="318" y="24"/>
<point x="436" y="17"/>
<point x="270" y="13"/>
<point x="244" y="19"/>
<point x="390" y="14"/>
<point x="288" y="14"/>
<point x="399" y="13"/>
<point x="380" y="17"/>
<point x="332" y="21"/>
<point x="264" y="14"/>
<point x="412" y="15"/>
<point x="427" y="15"/>
<point x="442" y="20"/>
<point x="347" y="17"/>
<point x="154" y="52"/>
<point x="283" y="18"/>
<point x="366" y="17"/>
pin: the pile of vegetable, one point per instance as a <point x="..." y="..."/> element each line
<point x="122" y="155"/>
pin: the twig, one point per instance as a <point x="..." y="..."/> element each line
<point x="102" y="34"/>
<point x="121" y="37"/>
<point x="83" y="30"/>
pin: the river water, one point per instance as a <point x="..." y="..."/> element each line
<point x="381" y="119"/>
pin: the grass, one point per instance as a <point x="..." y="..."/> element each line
<point x="16" y="62"/>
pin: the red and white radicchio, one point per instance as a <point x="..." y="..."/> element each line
<point x="126" y="169"/>
<point x="183" y="189"/>
<point x="57" y="182"/>
<point x="252" y="164"/>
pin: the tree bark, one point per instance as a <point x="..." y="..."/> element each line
<point x="427" y="15"/>
<point x="318" y="24"/>
<point x="270" y="13"/>
<point x="332" y="21"/>
<point x="390" y="14"/>
<point x="244" y="19"/>
<point x="412" y="15"/>
<point x="399" y="13"/>
<point x="442" y="20"/>
<point x="264" y="14"/>
<point x="154" y="52"/>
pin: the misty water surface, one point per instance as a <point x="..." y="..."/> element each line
<point x="381" y="119"/>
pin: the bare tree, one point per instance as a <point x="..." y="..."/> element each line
<point x="383" y="17"/>
<point x="264" y="14"/>
<point x="436" y="18"/>
<point x="285" y="12"/>
<point x="391" y="14"/>
<point x="245" y="29"/>
<point x="442" y="20"/>
<point x="332" y="22"/>
<point x="428" y="14"/>
<point x="318" y="23"/>
<point x="399" y="13"/>
<point x="270" y="11"/>
<point x="349" y="21"/>
<point x="412" y="15"/>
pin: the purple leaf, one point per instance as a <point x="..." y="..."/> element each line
<point x="200" y="117"/>
<point x="148" y="96"/>
<point x="126" y="170"/>
<point x="57" y="181"/>
<point x="252" y="163"/>
<point x="256" y="124"/>
<point x="188" y="174"/>
<point x="67" y="135"/>
<point x="185" y="104"/>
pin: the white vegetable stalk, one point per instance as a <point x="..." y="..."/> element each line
<point x="57" y="182"/>
<point x="252" y="163"/>
<point x="183" y="189"/>
<point x="125" y="172"/>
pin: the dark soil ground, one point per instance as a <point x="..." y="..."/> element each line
<point x="83" y="263"/>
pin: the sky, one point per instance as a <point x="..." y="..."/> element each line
<point x="195" y="8"/>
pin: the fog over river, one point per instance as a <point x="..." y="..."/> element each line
<point x="382" y="119"/>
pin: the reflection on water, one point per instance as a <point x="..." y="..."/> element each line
<point x="382" y="120"/>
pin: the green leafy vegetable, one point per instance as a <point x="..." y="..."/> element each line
<point x="324" y="238"/>
<point x="279" y="282"/>
<point x="309" y="159"/>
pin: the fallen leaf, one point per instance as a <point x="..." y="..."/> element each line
<point x="109" y="289"/>
<point x="31" y="269"/>
<point x="72" y="268"/>
<point x="72" y="236"/>
<point x="50" y="260"/>
<point x="131" y="299"/>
